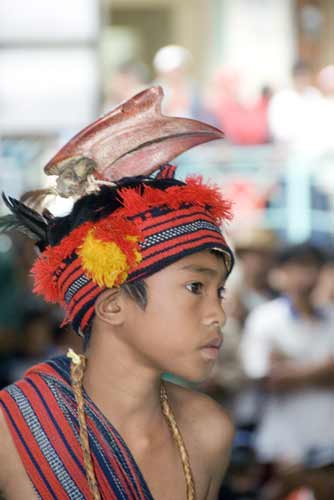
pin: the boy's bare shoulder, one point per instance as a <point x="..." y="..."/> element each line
<point x="206" y="427"/>
<point x="200" y="412"/>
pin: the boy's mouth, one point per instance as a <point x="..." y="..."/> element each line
<point x="214" y="342"/>
<point x="212" y="347"/>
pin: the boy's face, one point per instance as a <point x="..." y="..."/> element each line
<point x="180" y="329"/>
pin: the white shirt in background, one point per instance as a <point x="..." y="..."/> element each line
<point x="292" y="422"/>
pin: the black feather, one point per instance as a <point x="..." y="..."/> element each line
<point x="11" y="223"/>
<point x="47" y="214"/>
<point x="25" y="220"/>
<point x="94" y="207"/>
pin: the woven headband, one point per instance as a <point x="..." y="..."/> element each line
<point x="148" y="232"/>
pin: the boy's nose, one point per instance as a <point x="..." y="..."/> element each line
<point x="215" y="315"/>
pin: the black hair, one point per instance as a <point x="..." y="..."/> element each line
<point x="137" y="291"/>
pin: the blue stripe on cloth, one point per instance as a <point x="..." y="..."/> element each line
<point x="55" y="423"/>
<point x="32" y="458"/>
<point x="106" y="429"/>
<point x="108" y="436"/>
<point x="44" y="444"/>
<point x="108" y="471"/>
<point x="68" y="406"/>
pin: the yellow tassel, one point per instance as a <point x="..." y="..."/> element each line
<point x="104" y="262"/>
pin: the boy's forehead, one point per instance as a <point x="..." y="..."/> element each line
<point x="204" y="261"/>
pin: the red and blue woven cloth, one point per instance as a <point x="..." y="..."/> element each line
<point x="41" y="414"/>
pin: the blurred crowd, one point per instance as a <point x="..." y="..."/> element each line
<point x="295" y="115"/>
<point x="276" y="370"/>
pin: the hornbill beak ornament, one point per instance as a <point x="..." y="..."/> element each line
<point x="133" y="139"/>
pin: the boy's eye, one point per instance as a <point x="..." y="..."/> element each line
<point x="195" y="287"/>
<point x="221" y="292"/>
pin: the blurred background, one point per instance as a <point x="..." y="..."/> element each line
<point x="263" y="71"/>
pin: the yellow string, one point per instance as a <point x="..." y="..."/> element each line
<point x="78" y="365"/>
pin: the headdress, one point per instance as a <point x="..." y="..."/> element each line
<point x="126" y="224"/>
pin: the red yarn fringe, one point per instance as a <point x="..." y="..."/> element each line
<point x="195" y="192"/>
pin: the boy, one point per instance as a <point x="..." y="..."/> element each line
<point x="139" y="266"/>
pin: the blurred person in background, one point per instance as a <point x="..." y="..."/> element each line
<point x="36" y="343"/>
<point x="323" y="295"/>
<point x="288" y="349"/>
<point x="243" y="476"/>
<point x="311" y="480"/>
<point x="293" y="112"/>
<point x="172" y="65"/>
<point x="8" y="319"/>
<point x="324" y="137"/>
<point x="244" y="120"/>
<point x="326" y="84"/>
<point x="16" y="289"/>
<point x="127" y="79"/>
<point x="255" y="250"/>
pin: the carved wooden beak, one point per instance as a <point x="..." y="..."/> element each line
<point x="133" y="139"/>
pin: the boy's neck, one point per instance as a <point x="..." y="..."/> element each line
<point x="127" y="393"/>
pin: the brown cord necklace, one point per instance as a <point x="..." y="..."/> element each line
<point x="78" y="365"/>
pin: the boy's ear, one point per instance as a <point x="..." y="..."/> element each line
<point x="109" y="307"/>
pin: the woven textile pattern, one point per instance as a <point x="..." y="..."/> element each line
<point x="41" y="414"/>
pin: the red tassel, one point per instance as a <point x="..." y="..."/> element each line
<point x="45" y="281"/>
<point x="132" y="201"/>
<point x="195" y="192"/>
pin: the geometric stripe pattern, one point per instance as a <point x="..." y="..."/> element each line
<point x="75" y="287"/>
<point x="44" y="443"/>
<point x="169" y="235"/>
<point x="176" y="231"/>
<point x="174" y="234"/>
<point x="41" y="414"/>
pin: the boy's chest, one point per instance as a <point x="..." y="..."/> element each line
<point x="161" y="468"/>
<point x="163" y="472"/>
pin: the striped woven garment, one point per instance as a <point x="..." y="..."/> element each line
<point x="41" y="414"/>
